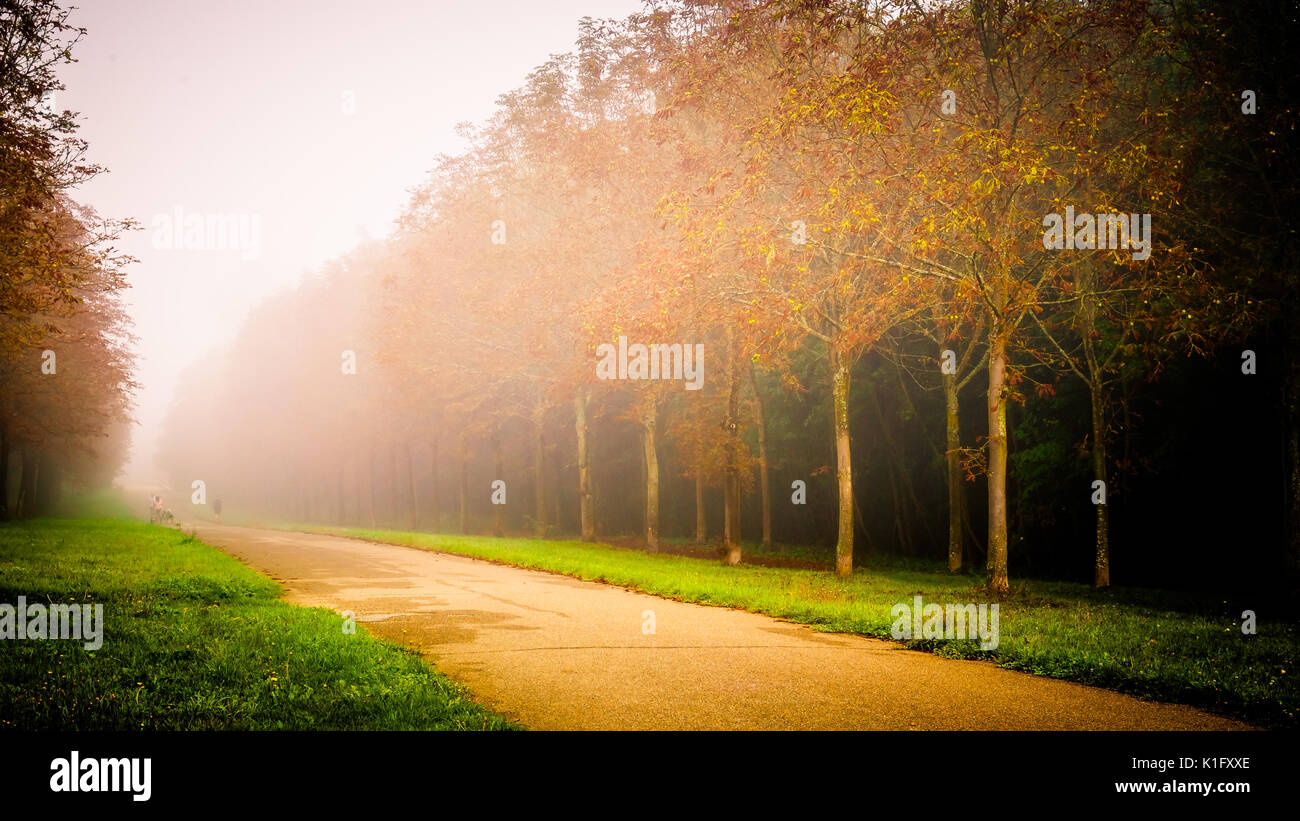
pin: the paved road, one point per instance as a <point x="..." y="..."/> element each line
<point x="551" y="652"/>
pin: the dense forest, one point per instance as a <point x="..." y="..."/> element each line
<point x="1001" y="284"/>
<point x="66" y="364"/>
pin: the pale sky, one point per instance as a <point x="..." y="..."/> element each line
<point x="241" y="109"/>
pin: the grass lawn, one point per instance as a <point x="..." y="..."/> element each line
<point x="1158" y="645"/>
<point x="194" y="640"/>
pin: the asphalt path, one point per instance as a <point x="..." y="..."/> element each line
<point x="552" y="652"/>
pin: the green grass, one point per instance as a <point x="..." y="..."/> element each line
<point x="194" y="640"/>
<point x="1158" y="645"/>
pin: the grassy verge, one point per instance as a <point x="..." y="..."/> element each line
<point x="1158" y="645"/>
<point x="194" y="640"/>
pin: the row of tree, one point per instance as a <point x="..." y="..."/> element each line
<point x="856" y="209"/>
<point x="65" y="359"/>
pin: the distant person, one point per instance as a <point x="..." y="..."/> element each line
<point x="157" y="510"/>
<point x="216" y="509"/>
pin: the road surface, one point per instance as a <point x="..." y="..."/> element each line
<point x="552" y="652"/>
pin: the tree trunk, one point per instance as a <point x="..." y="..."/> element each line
<point x="701" y="515"/>
<point x="371" y="485"/>
<point x="26" y="505"/>
<point x="410" y="488"/>
<point x="585" y="506"/>
<point x="1096" y="393"/>
<point x="731" y="479"/>
<point x="342" y="517"/>
<point x="539" y="465"/>
<point x="395" y="491"/>
<point x="765" y="489"/>
<point x="649" y="441"/>
<point x="956" y="488"/>
<point x="1101" y="567"/>
<point x="499" y="511"/>
<point x="434" y="498"/>
<point x="464" y="486"/>
<point x="4" y="474"/>
<point x="907" y="507"/>
<point x="902" y="529"/>
<point x="1291" y="454"/>
<point x="557" y="482"/>
<point x="997" y="464"/>
<point x="841" y="367"/>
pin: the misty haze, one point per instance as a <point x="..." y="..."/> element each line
<point x="664" y="365"/>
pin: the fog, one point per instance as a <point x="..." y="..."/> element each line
<point x="679" y="275"/>
<point x="315" y="117"/>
